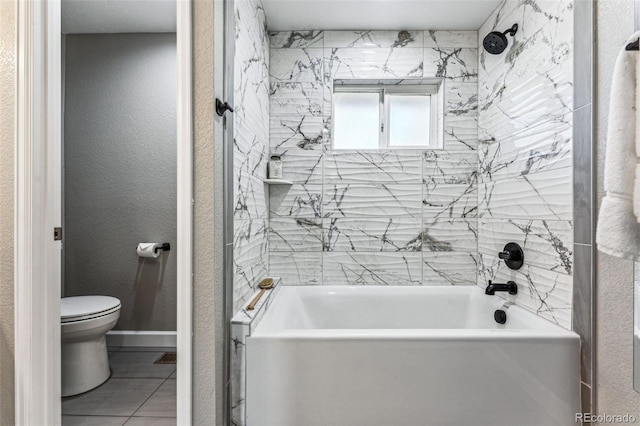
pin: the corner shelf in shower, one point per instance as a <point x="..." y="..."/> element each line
<point x="278" y="182"/>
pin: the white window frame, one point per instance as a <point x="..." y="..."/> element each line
<point x="434" y="88"/>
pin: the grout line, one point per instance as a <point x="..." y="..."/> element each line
<point x="148" y="398"/>
<point x="92" y="415"/>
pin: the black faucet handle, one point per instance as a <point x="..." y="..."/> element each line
<point x="512" y="255"/>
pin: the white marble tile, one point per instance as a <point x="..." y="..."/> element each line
<point x="390" y="166"/>
<point x="297" y="268"/>
<point x="372" y="234"/>
<point x="384" y="268"/>
<point x="298" y="140"/>
<point x="300" y="234"/>
<point x="545" y="195"/>
<point x="453" y="235"/>
<point x="455" y="64"/>
<point x="536" y="149"/>
<point x="297" y="200"/>
<point x="460" y="133"/>
<point x="547" y="244"/>
<point x="238" y="356"/>
<point x="373" y="39"/>
<point x="295" y="99"/>
<point x="250" y="153"/>
<point x="251" y="67"/>
<point x="461" y="99"/>
<point x="366" y="200"/>
<point x="293" y="39"/>
<point x="458" y="168"/>
<point x="249" y="198"/>
<point x="299" y="65"/>
<point x="352" y="63"/>
<point x="444" y="39"/>
<point x="449" y="201"/>
<point x="299" y="132"/>
<point x="250" y="258"/>
<point x="301" y="166"/>
<point x="450" y="268"/>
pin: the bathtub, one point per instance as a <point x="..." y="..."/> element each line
<point x="391" y="356"/>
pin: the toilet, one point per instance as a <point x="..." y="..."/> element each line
<point x="85" y="321"/>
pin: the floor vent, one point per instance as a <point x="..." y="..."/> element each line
<point x="167" y="358"/>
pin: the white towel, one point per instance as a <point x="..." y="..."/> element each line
<point x="618" y="232"/>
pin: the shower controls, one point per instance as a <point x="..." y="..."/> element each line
<point x="511" y="287"/>
<point x="222" y="107"/>
<point x="500" y="316"/>
<point x="512" y="255"/>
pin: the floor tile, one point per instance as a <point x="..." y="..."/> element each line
<point x="93" y="421"/>
<point x="151" y="421"/>
<point x="174" y="374"/>
<point x="162" y="403"/>
<point x="147" y="349"/>
<point x="139" y="364"/>
<point x="116" y="397"/>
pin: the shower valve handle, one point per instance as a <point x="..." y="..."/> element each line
<point x="512" y="255"/>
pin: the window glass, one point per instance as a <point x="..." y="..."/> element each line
<point x="409" y="120"/>
<point x="357" y="120"/>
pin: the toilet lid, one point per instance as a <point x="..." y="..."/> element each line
<point x="86" y="306"/>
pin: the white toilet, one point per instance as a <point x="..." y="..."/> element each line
<point x="85" y="321"/>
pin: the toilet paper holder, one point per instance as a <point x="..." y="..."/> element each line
<point x="164" y="246"/>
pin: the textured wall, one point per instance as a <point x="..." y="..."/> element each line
<point x="367" y="217"/>
<point x="7" y="116"/>
<point x="525" y="173"/>
<point x="208" y="325"/>
<point x="120" y="172"/>
<point x="614" y="336"/>
<point x="250" y="149"/>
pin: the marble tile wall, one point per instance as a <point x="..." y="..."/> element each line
<point x="251" y="147"/>
<point x="525" y="154"/>
<point x="406" y="217"/>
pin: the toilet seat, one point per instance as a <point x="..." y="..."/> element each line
<point x="82" y="308"/>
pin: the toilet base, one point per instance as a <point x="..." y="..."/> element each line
<point x="85" y="361"/>
<point x="85" y="366"/>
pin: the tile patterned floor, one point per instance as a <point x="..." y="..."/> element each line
<point x="138" y="393"/>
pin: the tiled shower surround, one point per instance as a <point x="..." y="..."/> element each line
<point x="250" y="149"/>
<point x="405" y="217"/>
<point x="525" y="153"/>
<point x="409" y="217"/>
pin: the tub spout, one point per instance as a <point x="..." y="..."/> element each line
<point x="510" y="287"/>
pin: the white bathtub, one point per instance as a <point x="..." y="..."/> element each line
<point x="391" y="356"/>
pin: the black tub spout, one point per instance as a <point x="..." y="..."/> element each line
<point x="511" y="287"/>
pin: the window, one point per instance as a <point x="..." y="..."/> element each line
<point x="388" y="114"/>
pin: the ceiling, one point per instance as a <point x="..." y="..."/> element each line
<point x="118" y="16"/>
<point x="126" y="16"/>
<point x="377" y="14"/>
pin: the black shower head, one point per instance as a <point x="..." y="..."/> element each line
<point x="495" y="42"/>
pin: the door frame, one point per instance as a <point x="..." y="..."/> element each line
<point x="38" y="194"/>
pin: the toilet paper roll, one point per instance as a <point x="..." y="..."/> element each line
<point x="149" y="250"/>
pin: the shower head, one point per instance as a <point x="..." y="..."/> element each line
<point x="495" y="42"/>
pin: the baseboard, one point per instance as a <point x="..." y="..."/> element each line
<point x="141" y="338"/>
